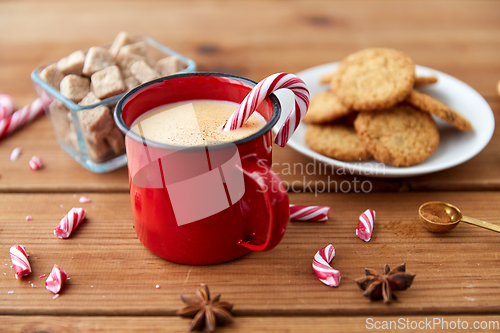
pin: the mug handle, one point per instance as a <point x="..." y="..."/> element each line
<point x="276" y="199"/>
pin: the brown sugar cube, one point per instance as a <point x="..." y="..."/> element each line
<point x="52" y="75"/>
<point x="96" y="122"/>
<point x="96" y="150"/>
<point x="97" y="58"/>
<point x="131" y="82"/>
<point x="126" y="59"/>
<point x="169" y="65"/>
<point x="89" y="99"/>
<point x="139" y="48"/>
<point x="72" y="64"/>
<point x="60" y="118"/>
<point x="71" y="137"/>
<point x="74" y="87"/>
<point x="116" y="140"/>
<point x="142" y="71"/>
<point x="108" y="82"/>
<point x="121" y="39"/>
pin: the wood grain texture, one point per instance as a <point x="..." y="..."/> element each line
<point x="462" y="40"/>
<point x="111" y="273"/>
<point x="113" y="277"/>
<point x="75" y="324"/>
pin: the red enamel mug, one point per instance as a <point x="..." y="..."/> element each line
<point x="203" y="204"/>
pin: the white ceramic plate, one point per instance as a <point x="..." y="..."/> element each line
<point x="455" y="147"/>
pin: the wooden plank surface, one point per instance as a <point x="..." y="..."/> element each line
<point x="113" y="277"/>
<point x="59" y="324"/>
<point x="111" y="273"/>
<point x="462" y="40"/>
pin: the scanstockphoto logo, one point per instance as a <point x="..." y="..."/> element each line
<point x="200" y="180"/>
<point x="325" y="178"/>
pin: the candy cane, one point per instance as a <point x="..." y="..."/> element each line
<point x="20" y="118"/>
<point x="309" y="213"/>
<point x="20" y="261"/>
<point x="6" y="106"/>
<point x="36" y="163"/>
<point x="15" y="153"/>
<point x="365" y="225"/>
<point x="56" y="279"/>
<point x="261" y="91"/>
<point x="322" y="268"/>
<point x="69" y="222"/>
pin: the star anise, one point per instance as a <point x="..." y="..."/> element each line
<point x="381" y="286"/>
<point x="206" y="312"/>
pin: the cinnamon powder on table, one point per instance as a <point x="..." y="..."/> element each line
<point x="436" y="215"/>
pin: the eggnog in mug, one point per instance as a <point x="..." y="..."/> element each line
<point x="194" y="123"/>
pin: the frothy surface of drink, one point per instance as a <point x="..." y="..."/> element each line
<point x="194" y="123"/>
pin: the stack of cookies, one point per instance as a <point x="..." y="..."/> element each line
<point x="373" y="111"/>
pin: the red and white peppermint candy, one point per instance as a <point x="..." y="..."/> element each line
<point x="56" y="279"/>
<point x="20" y="261"/>
<point x="15" y="153"/>
<point x="365" y="225"/>
<point x="322" y="268"/>
<point x="309" y="213"/>
<point x="36" y="163"/>
<point x="261" y="91"/>
<point x="6" y="106"/>
<point x="20" y="118"/>
<point x="69" y="222"/>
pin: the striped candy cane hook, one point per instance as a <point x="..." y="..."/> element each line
<point x="261" y="91"/>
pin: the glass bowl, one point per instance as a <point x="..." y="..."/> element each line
<point x="66" y="116"/>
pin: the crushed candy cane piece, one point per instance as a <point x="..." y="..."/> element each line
<point x="158" y="286"/>
<point x="29" y="218"/>
<point x="42" y="276"/>
<point x="56" y="280"/>
<point x="20" y="261"/>
<point x="309" y="213"/>
<point x="15" y="153"/>
<point x="322" y="268"/>
<point x="69" y="222"/>
<point x="365" y="225"/>
<point x="36" y="163"/>
<point x="10" y="292"/>
<point x="84" y="200"/>
<point x="55" y="296"/>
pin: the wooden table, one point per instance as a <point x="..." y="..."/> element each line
<point x="113" y="277"/>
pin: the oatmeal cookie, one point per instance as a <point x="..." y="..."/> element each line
<point x="374" y="79"/>
<point x="428" y="104"/>
<point x="335" y="140"/>
<point x="399" y="136"/>
<point x="325" y="107"/>
<point x="425" y="80"/>
<point x="326" y="78"/>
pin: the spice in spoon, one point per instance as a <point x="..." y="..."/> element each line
<point x="436" y="214"/>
